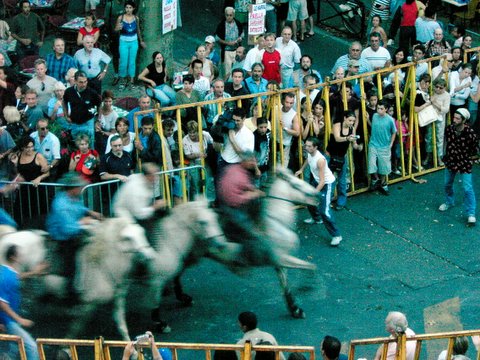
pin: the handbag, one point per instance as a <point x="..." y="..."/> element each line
<point x="427" y="116"/>
<point x="336" y="163"/>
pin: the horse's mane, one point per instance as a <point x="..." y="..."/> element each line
<point x="100" y="238"/>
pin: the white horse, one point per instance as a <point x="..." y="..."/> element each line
<point x="103" y="266"/>
<point x="275" y="238"/>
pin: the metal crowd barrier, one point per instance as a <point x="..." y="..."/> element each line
<point x="5" y="340"/>
<point x="101" y="349"/>
<point x="401" y="342"/>
<point x="271" y="100"/>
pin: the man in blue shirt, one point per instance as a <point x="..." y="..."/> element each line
<point x="10" y="300"/>
<point x="58" y="63"/>
<point x="144" y="103"/>
<point x="256" y="83"/>
<point x="65" y="223"/>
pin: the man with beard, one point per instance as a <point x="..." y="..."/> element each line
<point x="256" y="83"/>
<point x="239" y="61"/>
<point x="306" y="62"/>
<point x="28" y="29"/>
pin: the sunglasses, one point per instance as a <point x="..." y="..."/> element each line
<point x="89" y="64"/>
<point x="439" y="87"/>
<point x="43" y="86"/>
<point x="43" y="128"/>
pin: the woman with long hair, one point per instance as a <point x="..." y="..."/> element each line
<point x="128" y="25"/>
<point x="155" y="77"/>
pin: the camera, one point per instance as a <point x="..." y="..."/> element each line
<point x="143" y="339"/>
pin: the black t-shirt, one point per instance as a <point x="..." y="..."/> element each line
<point x="82" y="105"/>
<point x="158" y="78"/>
<point x="112" y="164"/>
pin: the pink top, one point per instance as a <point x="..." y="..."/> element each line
<point x="233" y="185"/>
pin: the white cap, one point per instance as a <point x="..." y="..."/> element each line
<point x="210" y="39"/>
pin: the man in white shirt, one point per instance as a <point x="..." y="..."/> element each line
<point x="48" y="145"/>
<point x="377" y="56"/>
<point x="248" y="324"/>
<point x="291" y="54"/>
<point x="42" y="84"/>
<point x="253" y="55"/>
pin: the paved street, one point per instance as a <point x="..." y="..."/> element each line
<point x="399" y="253"/>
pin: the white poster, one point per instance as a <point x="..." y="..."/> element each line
<point x="169" y="15"/>
<point x="256" y="19"/>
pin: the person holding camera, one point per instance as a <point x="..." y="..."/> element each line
<point x="130" y="348"/>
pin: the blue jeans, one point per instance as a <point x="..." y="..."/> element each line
<point x="323" y="210"/>
<point x="86" y="128"/>
<point x="31" y="349"/>
<point x="163" y="93"/>
<point x="469" y="201"/>
<point x="128" y="55"/>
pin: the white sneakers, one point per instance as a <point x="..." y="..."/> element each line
<point x="336" y="240"/>
<point x="311" y="221"/>
<point x="471" y="220"/>
<point x="444" y="207"/>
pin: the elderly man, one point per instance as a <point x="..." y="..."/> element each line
<point x="437" y="46"/>
<point x="82" y="103"/>
<point x="354" y="53"/>
<point x="144" y="103"/>
<point x="377" y="56"/>
<point x="93" y="62"/>
<point x="42" y="84"/>
<point x="48" y="145"/>
<point x="229" y="34"/>
<point x="218" y="93"/>
<point x="290" y="54"/>
<point x="58" y="63"/>
<point x="396" y="324"/>
<point x="116" y="164"/>
<point x="28" y="29"/>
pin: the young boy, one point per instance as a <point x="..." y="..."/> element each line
<point x="271" y="60"/>
<point x="372" y="101"/>
<point x="262" y="149"/>
<point x="379" y="148"/>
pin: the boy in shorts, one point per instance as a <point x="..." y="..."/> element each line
<point x="379" y="148"/>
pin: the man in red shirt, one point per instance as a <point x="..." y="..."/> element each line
<point x="271" y="60"/>
<point x="238" y="199"/>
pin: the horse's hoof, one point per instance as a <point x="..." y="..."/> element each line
<point x="186" y="300"/>
<point x="162" y="327"/>
<point x="298" y="313"/>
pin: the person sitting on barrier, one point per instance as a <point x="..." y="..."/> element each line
<point x="247" y="321"/>
<point x="66" y="223"/>
<point x="134" y="198"/>
<point x="117" y="164"/>
<point x="10" y="301"/>
<point x="130" y="349"/>
<point x="397" y="325"/>
<point x="460" y="347"/>
<point x="330" y="347"/>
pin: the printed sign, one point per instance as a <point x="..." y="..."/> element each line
<point x="256" y="19"/>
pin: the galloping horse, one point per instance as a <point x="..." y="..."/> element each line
<point x="275" y="232"/>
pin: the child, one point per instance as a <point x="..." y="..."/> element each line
<point x="90" y="28"/>
<point x="379" y="148"/>
<point x="262" y="150"/>
<point x="271" y="60"/>
<point x="405" y="139"/>
<point x="372" y="101"/>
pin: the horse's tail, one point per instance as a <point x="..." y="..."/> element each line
<point x="289" y="261"/>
